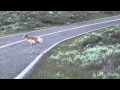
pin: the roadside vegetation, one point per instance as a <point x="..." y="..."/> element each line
<point x="12" y="22"/>
<point x="94" y="55"/>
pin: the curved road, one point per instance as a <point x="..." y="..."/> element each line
<point x="14" y="51"/>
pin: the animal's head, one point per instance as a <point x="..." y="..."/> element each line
<point x="25" y="35"/>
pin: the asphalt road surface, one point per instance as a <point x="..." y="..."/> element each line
<point x="15" y="52"/>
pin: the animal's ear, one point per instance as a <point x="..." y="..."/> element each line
<point x="24" y="34"/>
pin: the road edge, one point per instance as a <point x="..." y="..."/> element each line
<point x="62" y="25"/>
<point x="32" y="64"/>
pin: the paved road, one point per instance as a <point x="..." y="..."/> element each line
<point x="15" y="57"/>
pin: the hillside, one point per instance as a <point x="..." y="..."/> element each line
<point x="21" y="21"/>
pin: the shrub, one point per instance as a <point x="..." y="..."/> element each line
<point x="102" y="75"/>
<point x="111" y="35"/>
<point x="91" y="39"/>
<point x="36" y="19"/>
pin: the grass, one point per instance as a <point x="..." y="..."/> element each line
<point x="49" y="26"/>
<point x="50" y="69"/>
<point x="54" y="70"/>
<point x="71" y="60"/>
<point x="21" y="31"/>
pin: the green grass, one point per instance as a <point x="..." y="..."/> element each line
<point x="49" y="26"/>
<point x="34" y="29"/>
<point x="71" y="60"/>
<point x="53" y="70"/>
<point x="50" y="69"/>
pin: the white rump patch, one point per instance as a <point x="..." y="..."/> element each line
<point x="40" y="40"/>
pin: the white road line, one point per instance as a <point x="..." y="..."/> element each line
<point x="99" y="19"/>
<point x="64" y="25"/>
<point x="31" y="65"/>
<point x="28" y="32"/>
<point x="28" y="67"/>
<point x="77" y="27"/>
<point x="3" y="46"/>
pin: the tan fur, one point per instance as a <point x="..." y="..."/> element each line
<point x="34" y="40"/>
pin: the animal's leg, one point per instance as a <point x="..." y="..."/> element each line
<point x="43" y="45"/>
<point x="32" y="49"/>
<point x="41" y="48"/>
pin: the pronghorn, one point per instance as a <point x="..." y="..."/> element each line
<point x="34" y="40"/>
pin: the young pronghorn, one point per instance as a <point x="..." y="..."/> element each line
<point x="34" y="40"/>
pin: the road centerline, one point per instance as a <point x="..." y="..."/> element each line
<point x="16" y="42"/>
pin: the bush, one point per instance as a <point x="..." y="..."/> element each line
<point x="36" y="19"/>
<point x="111" y="35"/>
<point x="91" y="39"/>
<point x="66" y="56"/>
<point x="102" y="75"/>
